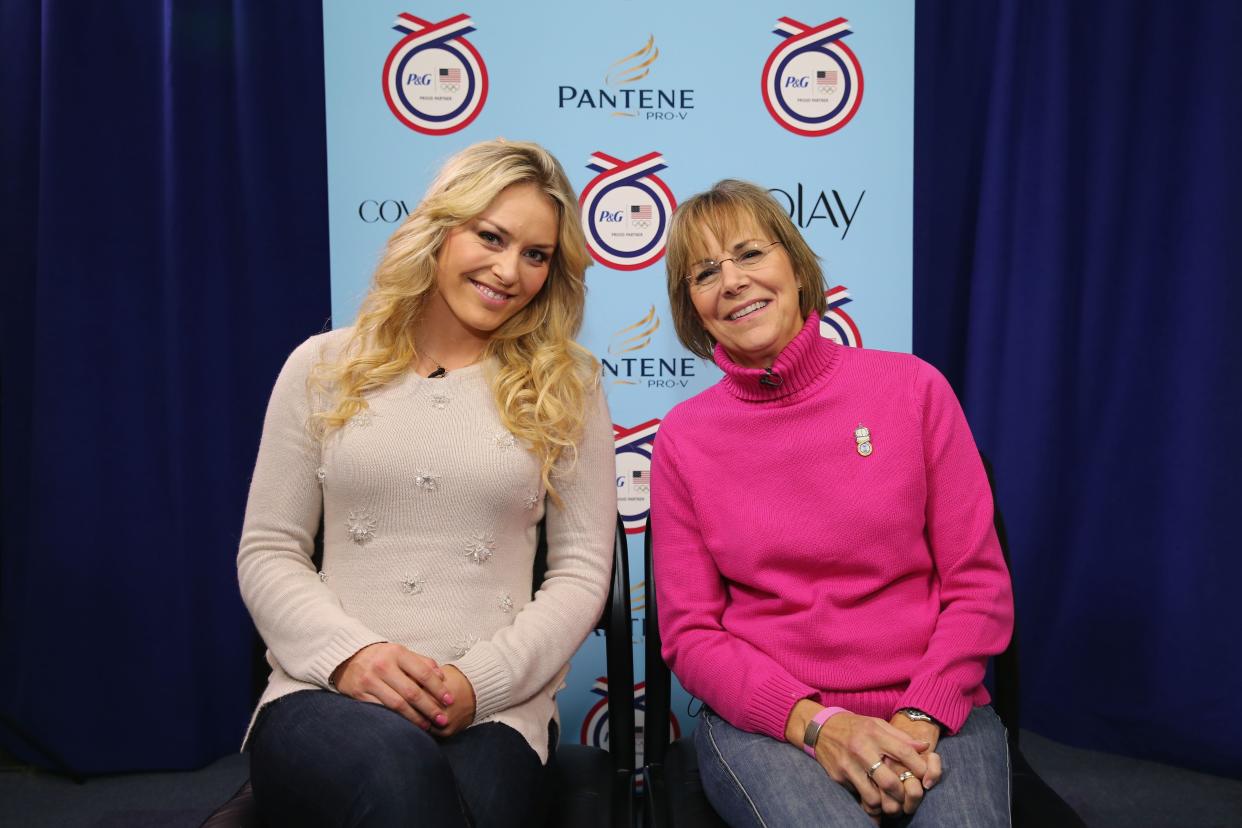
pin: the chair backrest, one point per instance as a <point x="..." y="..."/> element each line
<point x="659" y="689"/>
<point x="1005" y="678"/>
<point x="614" y="622"/>
<point x="619" y="655"/>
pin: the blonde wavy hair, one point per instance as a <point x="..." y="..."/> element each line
<point x="544" y="377"/>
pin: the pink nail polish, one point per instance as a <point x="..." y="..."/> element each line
<point x="441" y="720"/>
<point x="448" y="698"/>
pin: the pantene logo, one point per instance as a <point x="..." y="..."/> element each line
<point x="624" y="98"/>
<point x="633" y="67"/>
<point x="630" y="363"/>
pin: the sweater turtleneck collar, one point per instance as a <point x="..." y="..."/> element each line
<point x="806" y="358"/>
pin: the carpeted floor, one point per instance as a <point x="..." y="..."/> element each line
<point x="1109" y="790"/>
<point x="1105" y="789"/>
<point x="30" y="799"/>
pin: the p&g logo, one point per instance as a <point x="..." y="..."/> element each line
<point x="435" y="82"/>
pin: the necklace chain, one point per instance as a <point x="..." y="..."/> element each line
<point x="440" y="370"/>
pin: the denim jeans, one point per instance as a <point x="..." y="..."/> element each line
<point x="323" y="759"/>
<point x="754" y="780"/>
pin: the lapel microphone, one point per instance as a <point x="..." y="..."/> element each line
<point x="770" y="378"/>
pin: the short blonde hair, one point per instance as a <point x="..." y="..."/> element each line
<point x="544" y="377"/>
<point x="728" y="209"/>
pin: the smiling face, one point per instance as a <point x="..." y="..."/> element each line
<point x="754" y="314"/>
<point x="492" y="266"/>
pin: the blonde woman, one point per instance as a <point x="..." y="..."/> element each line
<point x="413" y="676"/>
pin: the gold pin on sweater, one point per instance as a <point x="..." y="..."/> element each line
<point x="862" y="436"/>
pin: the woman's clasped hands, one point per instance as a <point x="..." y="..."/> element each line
<point x="914" y="784"/>
<point x="871" y="757"/>
<point x="435" y="698"/>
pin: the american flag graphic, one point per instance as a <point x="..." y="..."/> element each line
<point x="826" y="77"/>
<point x="642" y="476"/>
<point x="450" y="76"/>
<point x="640" y="212"/>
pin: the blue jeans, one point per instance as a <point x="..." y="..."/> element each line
<point x="323" y="759"/>
<point x="754" y="780"/>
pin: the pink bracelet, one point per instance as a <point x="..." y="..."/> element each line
<point x="812" y="728"/>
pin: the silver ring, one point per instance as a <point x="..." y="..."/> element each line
<point x="871" y="770"/>
<point x="905" y="776"/>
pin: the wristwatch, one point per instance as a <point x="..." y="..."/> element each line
<point x="916" y="715"/>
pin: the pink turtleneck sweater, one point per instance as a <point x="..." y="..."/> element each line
<point x="791" y="566"/>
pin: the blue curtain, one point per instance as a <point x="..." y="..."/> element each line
<point x="1076" y="276"/>
<point x="165" y="241"/>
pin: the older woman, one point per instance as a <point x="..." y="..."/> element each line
<point x="830" y="582"/>
<point x="414" y="676"/>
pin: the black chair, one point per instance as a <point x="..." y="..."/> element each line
<point x="1033" y="802"/>
<point x="671" y="771"/>
<point x="673" y="789"/>
<point x="586" y="786"/>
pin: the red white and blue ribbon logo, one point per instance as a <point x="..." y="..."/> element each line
<point x="836" y="324"/>
<point x="625" y="211"/>
<point x="435" y="82"/>
<point x="812" y="81"/>
<point x="633" y="446"/>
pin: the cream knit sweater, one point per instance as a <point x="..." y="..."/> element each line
<point x="430" y="510"/>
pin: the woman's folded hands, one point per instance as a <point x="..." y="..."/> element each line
<point x="869" y="756"/>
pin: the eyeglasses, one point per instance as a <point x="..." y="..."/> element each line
<point x="705" y="274"/>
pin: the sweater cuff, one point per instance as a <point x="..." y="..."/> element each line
<point x="943" y="701"/>
<point x="768" y="710"/>
<point x="345" y="642"/>
<point x="490" y="679"/>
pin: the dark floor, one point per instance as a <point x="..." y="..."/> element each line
<point x="1106" y="790"/>
<point x="30" y="799"/>
<point x="1109" y="790"/>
